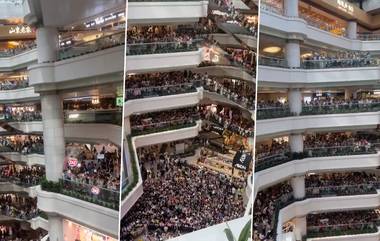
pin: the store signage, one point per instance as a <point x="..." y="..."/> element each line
<point x="20" y="30"/>
<point x="73" y="162"/>
<point x="345" y="6"/>
<point x="95" y="190"/>
<point x="242" y="160"/>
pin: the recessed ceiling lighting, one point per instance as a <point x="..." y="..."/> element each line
<point x="272" y="49"/>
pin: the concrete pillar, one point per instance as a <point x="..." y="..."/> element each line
<point x="291" y="8"/>
<point x="47" y="44"/>
<point x="347" y="93"/>
<point x="54" y="140"/>
<point x="352" y="30"/>
<point x="295" y="101"/>
<point x="296" y="142"/>
<point x="55" y="228"/>
<point x="298" y="185"/>
<point x="300" y="227"/>
<point x="293" y="53"/>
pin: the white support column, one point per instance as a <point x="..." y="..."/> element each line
<point x="293" y="53"/>
<point x="300" y="228"/>
<point x="47" y="44"/>
<point x="296" y="142"/>
<point x="295" y="101"/>
<point x="291" y="8"/>
<point x="298" y="185"/>
<point x="54" y="140"/>
<point x="55" y="228"/>
<point x="352" y="30"/>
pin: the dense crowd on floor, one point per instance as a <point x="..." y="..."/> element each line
<point x="23" y="175"/>
<point x="180" y="198"/>
<point x="159" y="33"/>
<point x="27" y="113"/>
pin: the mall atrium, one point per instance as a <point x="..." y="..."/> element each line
<point x="317" y="139"/>
<point x="61" y="97"/>
<point x="188" y="119"/>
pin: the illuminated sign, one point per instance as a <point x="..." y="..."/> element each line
<point x="345" y="6"/>
<point x="20" y="30"/>
<point x="119" y="101"/>
<point x="95" y="190"/>
<point x="73" y="162"/>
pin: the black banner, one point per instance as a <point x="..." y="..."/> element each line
<point x="242" y="160"/>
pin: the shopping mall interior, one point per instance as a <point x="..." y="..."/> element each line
<point x="317" y="139"/>
<point x="188" y="119"/>
<point x="61" y="98"/>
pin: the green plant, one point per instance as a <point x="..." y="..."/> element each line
<point x="244" y="234"/>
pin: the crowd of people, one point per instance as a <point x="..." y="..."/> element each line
<point x="160" y="33"/>
<point x="12" y="84"/>
<point x="338" y="139"/>
<point x="339" y="60"/>
<point x="22" y="113"/>
<point x="160" y="83"/>
<point x="243" y="57"/>
<point x="18" y="206"/>
<point x="98" y="166"/>
<point x="24" y="144"/>
<point x="24" y="175"/>
<point x="231" y="119"/>
<point x="342" y="223"/>
<point x="179" y="198"/>
<point x="21" y="47"/>
<point x="15" y="231"/>
<point x="267" y="203"/>
<point x="238" y="91"/>
<point x="156" y="121"/>
<point x="104" y="103"/>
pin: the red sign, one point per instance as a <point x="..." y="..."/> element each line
<point x="73" y="162"/>
<point x="95" y="190"/>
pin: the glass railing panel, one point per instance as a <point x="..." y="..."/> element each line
<point x="6" y="53"/>
<point x="340" y="63"/>
<point x="272" y="8"/>
<point x="162" y="47"/>
<point x="34" y="149"/>
<point x="274" y="62"/>
<point x="91" y="193"/>
<point x="273" y="112"/>
<point x="340" y="108"/>
<point x="21" y="117"/>
<point x="156" y="91"/>
<point x="164" y="126"/>
<point x="341" y="229"/>
<point x="343" y="190"/>
<point x="14" y="85"/>
<point x="94" y="116"/>
<point x="105" y="42"/>
<point x="368" y="36"/>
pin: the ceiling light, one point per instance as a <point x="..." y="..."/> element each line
<point x="272" y="50"/>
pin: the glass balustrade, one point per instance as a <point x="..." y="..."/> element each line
<point x="342" y="229"/>
<point x="368" y="36"/>
<point x="273" y="62"/>
<point x="94" y="116"/>
<point x="105" y="42"/>
<point x="162" y="47"/>
<point x="340" y="108"/>
<point x="273" y="112"/>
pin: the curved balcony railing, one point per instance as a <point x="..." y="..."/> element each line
<point x="14" y="86"/>
<point x="94" y="116"/>
<point x="273" y="112"/>
<point x="22" y="182"/>
<point x="266" y="162"/>
<point x="156" y="91"/>
<point x="341" y="190"/>
<point x="162" y="47"/>
<point x="272" y="8"/>
<point x="340" y="108"/>
<point x="164" y="126"/>
<point x="342" y="229"/>
<point x="368" y="36"/>
<point x="106" y="42"/>
<point x="90" y="193"/>
<point x="13" y="52"/>
<point x="322" y="64"/>
<point x="25" y="117"/>
<point x="35" y="149"/>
